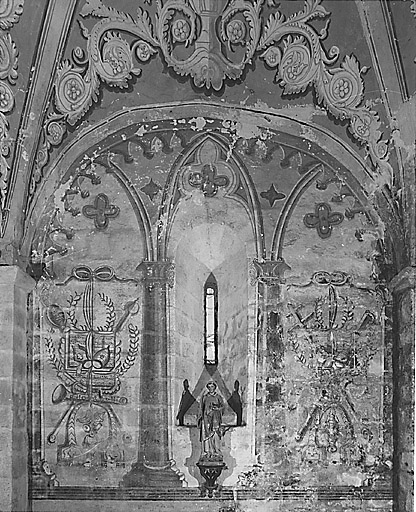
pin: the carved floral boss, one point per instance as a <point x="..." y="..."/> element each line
<point x="210" y="41"/>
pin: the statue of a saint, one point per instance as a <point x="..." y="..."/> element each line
<point x="209" y="423"/>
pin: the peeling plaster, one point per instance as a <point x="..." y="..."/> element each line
<point x="301" y="112"/>
<point x="409" y="149"/>
<point x="404" y="135"/>
<point x="141" y="131"/>
<point x="59" y="194"/>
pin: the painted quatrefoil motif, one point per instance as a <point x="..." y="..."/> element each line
<point x="323" y="220"/>
<point x="101" y="211"/>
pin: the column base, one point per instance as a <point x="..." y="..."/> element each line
<point x="145" y="476"/>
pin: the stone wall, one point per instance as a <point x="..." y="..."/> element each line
<point x="403" y="288"/>
<point x="15" y="287"/>
<point x="126" y="241"/>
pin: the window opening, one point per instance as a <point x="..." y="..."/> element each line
<point x="211" y="321"/>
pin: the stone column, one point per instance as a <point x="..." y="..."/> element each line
<point x="15" y="286"/>
<point x="403" y="290"/>
<point x="269" y="277"/>
<point x="154" y="467"/>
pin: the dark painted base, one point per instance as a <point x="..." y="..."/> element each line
<point x="327" y="494"/>
<point x="143" y="476"/>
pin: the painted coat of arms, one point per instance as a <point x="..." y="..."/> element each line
<point x="88" y="349"/>
<point x="336" y="340"/>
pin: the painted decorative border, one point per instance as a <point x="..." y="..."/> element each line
<point x="185" y="494"/>
<point x="197" y="116"/>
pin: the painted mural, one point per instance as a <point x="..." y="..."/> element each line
<point x="211" y="320"/>
<point x="211" y="315"/>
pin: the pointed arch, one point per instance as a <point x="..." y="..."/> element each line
<point x="173" y="193"/>
<point x="350" y="166"/>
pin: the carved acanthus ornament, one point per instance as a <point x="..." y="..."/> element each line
<point x="211" y="41"/>
<point x="10" y="11"/>
<point x="303" y="61"/>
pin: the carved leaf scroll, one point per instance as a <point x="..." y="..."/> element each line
<point x="303" y="62"/>
<point x="221" y="39"/>
<point x="10" y="10"/>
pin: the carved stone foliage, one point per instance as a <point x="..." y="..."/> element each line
<point x="90" y="343"/>
<point x="210" y="42"/>
<point x="177" y="23"/>
<point x="10" y="11"/>
<point x="303" y="62"/>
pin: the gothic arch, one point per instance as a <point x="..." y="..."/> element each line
<point x="256" y="149"/>
<point x="243" y="122"/>
<point x="241" y="179"/>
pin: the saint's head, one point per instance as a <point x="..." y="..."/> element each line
<point x="211" y="386"/>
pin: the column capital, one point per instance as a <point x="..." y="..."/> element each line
<point x="14" y="276"/>
<point x="157" y="271"/>
<point x="404" y="280"/>
<point x="269" y="272"/>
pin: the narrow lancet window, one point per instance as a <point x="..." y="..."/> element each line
<point x="211" y="321"/>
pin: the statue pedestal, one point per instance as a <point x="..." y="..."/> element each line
<point x="211" y="472"/>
